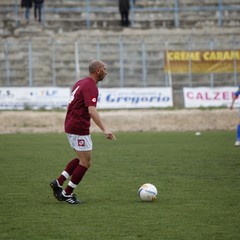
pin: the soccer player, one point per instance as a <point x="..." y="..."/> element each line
<point x="81" y="109"/>
<point x="237" y="93"/>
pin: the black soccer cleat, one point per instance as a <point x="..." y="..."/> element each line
<point x="57" y="190"/>
<point x="71" y="199"/>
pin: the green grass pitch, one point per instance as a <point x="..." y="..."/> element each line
<point x="197" y="177"/>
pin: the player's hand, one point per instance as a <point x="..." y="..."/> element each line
<point x="109" y="135"/>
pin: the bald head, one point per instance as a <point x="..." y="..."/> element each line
<point x="97" y="70"/>
<point x="95" y="64"/>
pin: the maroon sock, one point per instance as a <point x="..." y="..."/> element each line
<point x="69" y="170"/>
<point x="76" y="178"/>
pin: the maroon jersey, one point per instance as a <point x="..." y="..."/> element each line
<point x="84" y="94"/>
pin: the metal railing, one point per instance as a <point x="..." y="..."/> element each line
<point x="130" y="64"/>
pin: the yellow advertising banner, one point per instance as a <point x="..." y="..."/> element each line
<point x="210" y="61"/>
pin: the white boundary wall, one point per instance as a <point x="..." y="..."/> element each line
<point x="109" y="98"/>
<point x="209" y="97"/>
<point x="116" y="98"/>
<point x="33" y="98"/>
<point x="112" y="98"/>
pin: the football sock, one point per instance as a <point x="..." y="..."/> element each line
<point x="68" y="171"/>
<point x="238" y="132"/>
<point x="75" y="179"/>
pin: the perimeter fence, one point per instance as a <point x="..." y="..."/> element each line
<point x="131" y="63"/>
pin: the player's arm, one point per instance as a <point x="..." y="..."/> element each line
<point x="98" y="121"/>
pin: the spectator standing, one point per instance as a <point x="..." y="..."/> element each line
<point x="27" y="4"/>
<point x="124" y="7"/>
<point x="38" y="4"/>
<point x="237" y="93"/>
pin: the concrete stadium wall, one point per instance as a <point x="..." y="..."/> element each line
<point x="61" y="30"/>
<point x="68" y="16"/>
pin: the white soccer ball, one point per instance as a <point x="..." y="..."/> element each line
<point x="148" y="192"/>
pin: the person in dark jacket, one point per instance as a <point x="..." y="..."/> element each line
<point x="27" y="4"/>
<point x="124" y="7"/>
<point x="38" y="4"/>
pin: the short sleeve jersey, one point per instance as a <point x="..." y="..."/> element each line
<point x="84" y="94"/>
